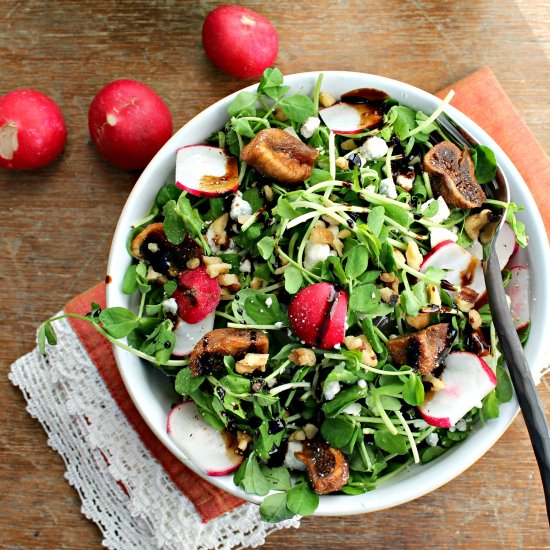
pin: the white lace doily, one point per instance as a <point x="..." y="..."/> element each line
<point x="66" y="394"/>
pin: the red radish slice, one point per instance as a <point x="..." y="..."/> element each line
<point x="197" y="295"/>
<point x="468" y="379"/>
<point x="348" y="118"/>
<point x="202" y="443"/>
<point x="317" y="314"/>
<point x="518" y="289"/>
<point x="206" y="171"/>
<point x="188" y="335"/>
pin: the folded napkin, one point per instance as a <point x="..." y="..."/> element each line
<point x="136" y="491"/>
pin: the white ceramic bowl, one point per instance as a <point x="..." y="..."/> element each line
<point x="153" y="393"/>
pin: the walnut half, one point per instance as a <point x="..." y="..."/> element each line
<point x="278" y="155"/>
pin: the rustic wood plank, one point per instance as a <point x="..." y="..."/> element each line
<point x="58" y="221"/>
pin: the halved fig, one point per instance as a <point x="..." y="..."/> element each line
<point x="206" y="171"/>
<point x="317" y="314"/>
<point x="327" y="467"/>
<point x="423" y="350"/>
<point x="197" y="294"/>
<point x="165" y="257"/>
<point x="347" y="118"/>
<point x="278" y="155"/>
<point x="452" y="175"/>
<point x="207" y="356"/>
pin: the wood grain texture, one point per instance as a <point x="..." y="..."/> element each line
<point x="57" y="222"/>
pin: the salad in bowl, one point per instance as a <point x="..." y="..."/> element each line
<point x="307" y="277"/>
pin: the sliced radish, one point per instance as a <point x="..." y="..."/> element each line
<point x="202" y="443"/>
<point x="518" y="289"/>
<point x="197" y="294"/>
<point x="468" y="379"/>
<point x="463" y="269"/>
<point x="206" y="171"/>
<point x="189" y="334"/>
<point x="350" y="118"/>
<point x="506" y="245"/>
<point x="317" y="314"/>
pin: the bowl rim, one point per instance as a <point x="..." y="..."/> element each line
<point x="430" y="476"/>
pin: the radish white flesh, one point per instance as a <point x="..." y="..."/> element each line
<point x="345" y="118"/>
<point x="518" y="289"/>
<point x="458" y="262"/>
<point x="187" y="334"/>
<point x="202" y="443"/>
<point x="206" y="171"/>
<point x="505" y="245"/>
<point x="468" y="379"/>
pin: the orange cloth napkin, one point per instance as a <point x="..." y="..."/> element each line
<point x="480" y="97"/>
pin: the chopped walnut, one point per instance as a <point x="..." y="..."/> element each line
<point x="476" y="222"/>
<point x="391" y="280"/>
<point x="348" y="145"/>
<point x="256" y="283"/>
<point x="338" y="246"/>
<point x="474" y="318"/>
<point x="344" y="234"/>
<point x="214" y="270"/>
<point x="278" y="155"/>
<point x="252" y="362"/>
<point x="420" y="321"/>
<point x="154" y="276"/>
<point x="330" y="220"/>
<point x="342" y="163"/>
<point x="303" y="357"/>
<point x="437" y="383"/>
<point x="310" y="430"/>
<point x="279" y="114"/>
<point x="433" y="295"/>
<point x="243" y="439"/>
<point x="211" y="260"/>
<point x="399" y="256"/>
<point x="353" y="342"/>
<point x="298" y="435"/>
<point x="368" y="357"/>
<point x="193" y="263"/>
<point x="321" y="235"/>
<point x="326" y="100"/>
<point x="268" y="193"/>
<point x="389" y="296"/>
<point x="281" y="270"/>
<point x="465" y="299"/>
<point x="229" y="281"/>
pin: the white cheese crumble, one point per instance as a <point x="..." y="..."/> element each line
<point x="387" y="187"/>
<point x="239" y="207"/>
<point x="170" y="306"/>
<point x="432" y="439"/>
<point x="331" y="389"/>
<point x="315" y="252"/>
<point x="309" y="126"/>
<point x="354" y="409"/>
<point x="442" y="213"/>
<point x="461" y="425"/>
<point x="269" y="301"/>
<point x="153" y="247"/>
<point x="290" y="461"/>
<point x="279" y="324"/>
<point x="362" y="383"/>
<point x="440" y="234"/>
<point x="373" y="148"/>
<point x="404" y="182"/>
<point x="337" y="346"/>
<point x="245" y="266"/>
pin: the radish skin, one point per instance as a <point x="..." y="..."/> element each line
<point x="32" y="130"/>
<point x="129" y="123"/>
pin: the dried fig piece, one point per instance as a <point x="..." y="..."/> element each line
<point x="278" y="155"/>
<point x="207" y="356"/>
<point x="424" y="349"/>
<point x="452" y="175"/>
<point x="165" y="257"/>
<point x="327" y="467"/>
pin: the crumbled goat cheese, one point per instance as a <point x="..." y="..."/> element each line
<point x="354" y="409"/>
<point x="461" y="425"/>
<point x="279" y="324"/>
<point x="170" y="306"/>
<point x="432" y="440"/>
<point x="337" y="346"/>
<point x="290" y="461"/>
<point x="404" y="182"/>
<point x="387" y="187"/>
<point x="315" y="252"/>
<point x="245" y="266"/>
<point x="373" y="148"/>
<point x="239" y="207"/>
<point x="442" y="213"/>
<point x="420" y="424"/>
<point x="269" y="302"/>
<point x="309" y="126"/>
<point x="272" y="381"/>
<point x="213" y="239"/>
<point x="331" y="389"/>
<point x="440" y="234"/>
<point x="362" y="383"/>
<point x="153" y="247"/>
<point x="291" y="131"/>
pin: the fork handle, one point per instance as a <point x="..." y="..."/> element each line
<point x="526" y="392"/>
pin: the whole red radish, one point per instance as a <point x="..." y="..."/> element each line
<point x="317" y="314"/>
<point x="197" y="295"/>
<point x="32" y="130"/>
<point x="129" y="123"/>
<point x="239" y="41"/>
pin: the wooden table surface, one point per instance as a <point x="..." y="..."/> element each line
<point x="57" y="222"/>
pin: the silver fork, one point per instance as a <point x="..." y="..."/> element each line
<point x="524" y="385"/>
